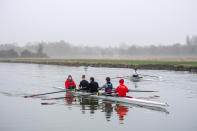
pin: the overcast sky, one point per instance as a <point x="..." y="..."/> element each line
<point x="98" y="22"/>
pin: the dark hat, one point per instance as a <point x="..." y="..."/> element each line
<point x="69" y="76"/>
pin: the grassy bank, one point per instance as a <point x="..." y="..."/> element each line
<point x="165" y="64"/>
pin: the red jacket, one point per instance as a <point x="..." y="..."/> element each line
<point x="122" y="90"/>
<point x="69" y="84"/>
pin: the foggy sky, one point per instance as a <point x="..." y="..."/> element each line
<point x="98" y="22"/>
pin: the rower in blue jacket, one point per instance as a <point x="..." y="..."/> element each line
<point x="107" y="86"/>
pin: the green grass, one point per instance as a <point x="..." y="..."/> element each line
<point x="174" y="62"/>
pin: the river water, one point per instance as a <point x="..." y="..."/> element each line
<point x="178" y="89"/>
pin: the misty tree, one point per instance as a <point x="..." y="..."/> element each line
<point x="27" y="54"/>
<point x="40" y="49"/>
<point x="8" y="53"/>
<point x="62" y="49"/>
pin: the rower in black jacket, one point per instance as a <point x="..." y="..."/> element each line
<point x="93" y="86"/>
<point x="83" y="84"/>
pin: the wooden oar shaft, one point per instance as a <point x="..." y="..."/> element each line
<point x="44" y="94"/>
<point x="56" y="98"/>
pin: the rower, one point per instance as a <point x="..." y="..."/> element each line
<point x="135" y="74"/>
<point x="69" y="83"/>
<point x="93" y="86"/>
<point x="83" y="84"/>
<point x="107" y="86"/>
<point x="121" y="89"/>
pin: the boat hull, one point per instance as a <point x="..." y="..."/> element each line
<point x="129" y="100"/>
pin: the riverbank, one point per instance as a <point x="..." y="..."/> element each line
<point x="154" y="64"/>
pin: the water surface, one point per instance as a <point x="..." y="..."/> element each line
<point x="178" y="89"/>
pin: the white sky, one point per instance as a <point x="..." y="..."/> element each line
<point x="98" y="22"/>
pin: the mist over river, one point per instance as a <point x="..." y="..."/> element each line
<point x="177" y="88"/>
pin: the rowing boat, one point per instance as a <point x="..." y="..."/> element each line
<point x="129" y="100"/>
<point x="138" y="79"/>
<point x="135" y="79"/>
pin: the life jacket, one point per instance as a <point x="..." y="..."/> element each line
<point x="122" y="90"/>
<point x="109" y="87"/>
<point x="70" y="84"/>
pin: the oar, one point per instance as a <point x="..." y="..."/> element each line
<point x="56" y="98"/>
<point x="149" y="75"/>
<point x="44" y="94"/>
<point x="150" y="97"/>
<point x="131" y="90"/>
<point x="117" y="77"/>
<point x="141" y="91"/>
<point x="120" y="77"/>
<point x="44" y="103"/>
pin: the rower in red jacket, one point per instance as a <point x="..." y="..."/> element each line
<point x="69" y="83"/>
<point x="121" y="89"/>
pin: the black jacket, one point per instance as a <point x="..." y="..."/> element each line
<point x="83" y="84"/>
<point x="93" y="87"/>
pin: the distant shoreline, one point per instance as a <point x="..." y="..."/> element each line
<point x="153" y="64"/>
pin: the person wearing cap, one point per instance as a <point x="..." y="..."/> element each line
<point x="83" y="83"/>
<point x="121" y="89"/>
<point x="107" y="86"/>
<point x="69" y="83"/>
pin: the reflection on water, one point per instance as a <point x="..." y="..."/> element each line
<point x="121" y="111"/>
<point x="108" y="109"/>
<point x="178" y="89"/>
<point x="69" y="98"/>
<point x="91" y="105"/>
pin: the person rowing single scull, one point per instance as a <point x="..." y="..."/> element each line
<point x="135" y="74"/>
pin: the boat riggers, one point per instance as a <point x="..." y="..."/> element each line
<point x="112" y="97"/>
<point x="33" y="95"/>
<point x="131" y="90"/>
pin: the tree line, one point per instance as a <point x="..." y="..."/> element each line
<point x="12" y="51"/>
<point x="62" y="49"/>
